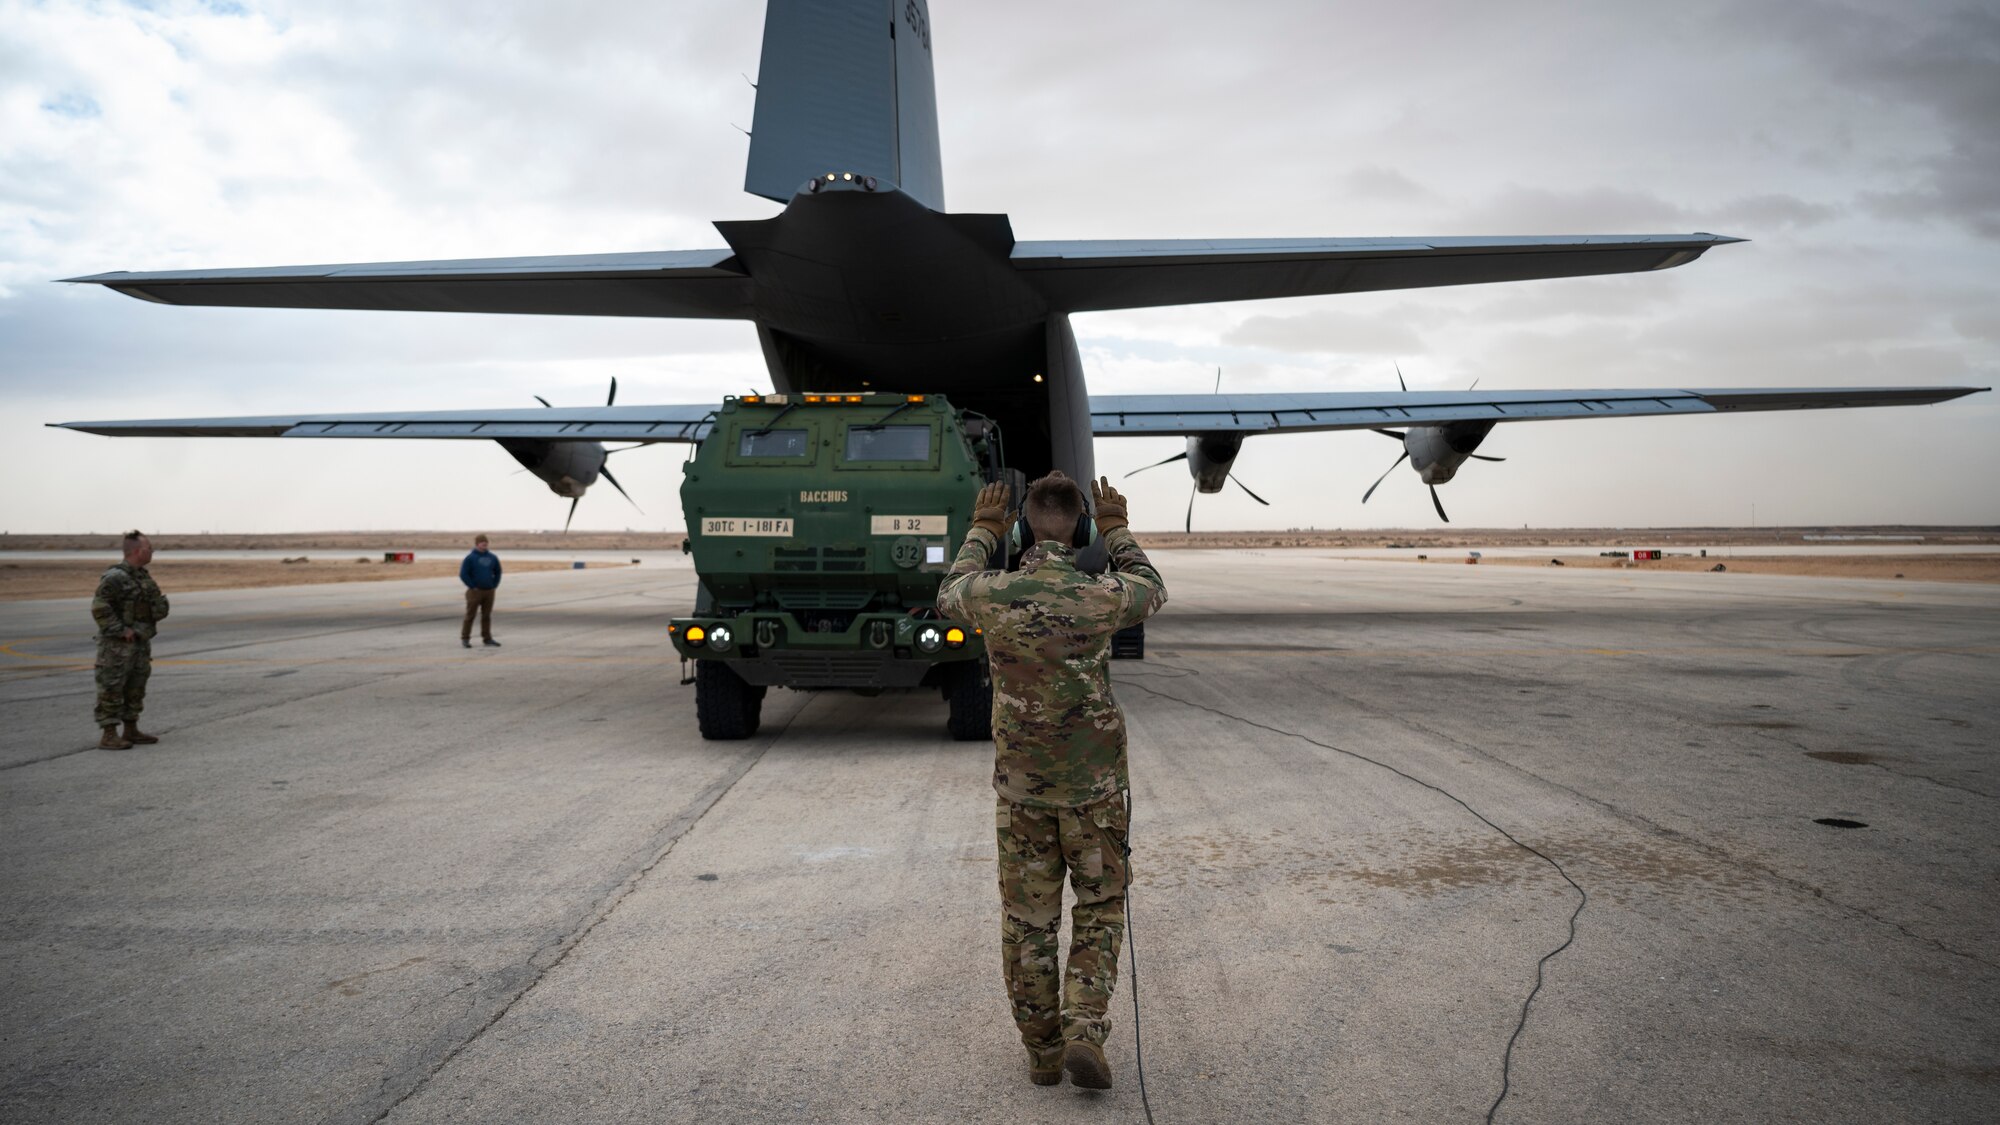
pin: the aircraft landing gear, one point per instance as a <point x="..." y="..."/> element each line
<point x="968" y="692"/>
<point x="1129" y="643"/>
<point x="726" y="708"/>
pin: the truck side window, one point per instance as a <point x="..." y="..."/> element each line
<point x="889" y="443"/>
<point x="772" y="443"/>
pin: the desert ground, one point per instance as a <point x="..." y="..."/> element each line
<point x="354" y="556"/>
<point x="34" y="579"/>
<point x="1926" y="568"/>
<point x="1429" y="538"/>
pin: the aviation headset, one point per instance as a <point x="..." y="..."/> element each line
<point x="1079" y="537"/>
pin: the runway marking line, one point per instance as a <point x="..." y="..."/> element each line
<point x="42" y="661"/>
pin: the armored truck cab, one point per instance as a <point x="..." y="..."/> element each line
<point x="821" y="526"/>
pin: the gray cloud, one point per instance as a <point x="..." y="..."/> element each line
<point x="1775" y="211"/>
<point x="1381" y="183"/>
<point x="1853" y="142"/>
<point x="1594" y="297"/>
<point x="1533" y="210"/>
<point x="1939" y="60"/>
<point x="1982" y="322"/>
<point x="1326" y="333"/>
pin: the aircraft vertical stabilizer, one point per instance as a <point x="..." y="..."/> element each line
<point x="846" y="86"/>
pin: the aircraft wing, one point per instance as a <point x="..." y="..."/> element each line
<point x="1096" y="275"/>
<point x="1148" y="415"/>
<point x="1110" y="415"/>
<point x="668" y="283"/>
<point x="585" y="423"/>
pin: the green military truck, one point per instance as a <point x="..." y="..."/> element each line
<point x="821" y="526"/>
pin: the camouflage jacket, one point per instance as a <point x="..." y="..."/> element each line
<point x="1058" y="736"/>
<point x="128" y="598"/>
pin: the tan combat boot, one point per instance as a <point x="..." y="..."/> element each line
<point x="1086" y="1065"/>
<point x="1045" y="1065"/>
<point x="137" y="737"/>
<point x="111" y="741"/>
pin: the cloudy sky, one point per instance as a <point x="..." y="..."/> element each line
<point x="1857" y="144"/>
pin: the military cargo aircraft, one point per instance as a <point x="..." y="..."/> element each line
<point x="865" y="279"/>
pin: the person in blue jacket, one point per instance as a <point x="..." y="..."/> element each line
<point x="481" y="574"/>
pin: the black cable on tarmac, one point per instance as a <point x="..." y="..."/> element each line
<point x="1582" y="899"/>
<point x="1132" y="952"/>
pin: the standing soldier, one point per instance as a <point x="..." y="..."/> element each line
<point x="128" y="608"/>
<point x="481" y="574"/>
<point x="1059" y="756"/>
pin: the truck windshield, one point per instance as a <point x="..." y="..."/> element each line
<point x="772" y="443"/>
<point x="889" y="443"/>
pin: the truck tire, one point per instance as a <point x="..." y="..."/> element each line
<point x="968" y="692"/>
<point x="725" y="707"/>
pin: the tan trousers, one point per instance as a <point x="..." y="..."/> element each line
<point x="477" y="602"/>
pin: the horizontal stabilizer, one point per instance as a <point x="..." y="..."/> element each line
<point x="585" y="423"/>
<point x="667" y="283"/>
<point x="1094" y="276"/>
<point x="1145" y="415"/>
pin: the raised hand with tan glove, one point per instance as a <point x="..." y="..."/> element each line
<point x="1110" y="505"/>
<point x="989" y="510"/>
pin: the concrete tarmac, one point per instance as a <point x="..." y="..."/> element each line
<point x="1407" y="838"/>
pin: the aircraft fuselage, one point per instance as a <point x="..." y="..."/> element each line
<point x="858" y="289"/>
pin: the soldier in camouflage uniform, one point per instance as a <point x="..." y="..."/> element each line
<point x="128" y="608"/>
<point x="1059" y="764"/>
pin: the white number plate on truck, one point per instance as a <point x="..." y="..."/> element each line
<point x="906" y="525"/>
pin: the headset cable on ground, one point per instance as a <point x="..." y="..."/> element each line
<point x="1520" y="1025"/>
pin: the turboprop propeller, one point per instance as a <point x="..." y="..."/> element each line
<point x="1209" y="457"/>
<point x="1435" y="452"/>
<point x="569" y="468"/>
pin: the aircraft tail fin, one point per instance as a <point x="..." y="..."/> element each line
<point x="846" y="86"/>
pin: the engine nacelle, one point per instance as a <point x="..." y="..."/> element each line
<point x="1209" y="457"/>
<point x="1436" y="452"/>
<point x="569" y="468"/>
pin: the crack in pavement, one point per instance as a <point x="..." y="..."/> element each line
<point x="1541" y="966"/>
<point x="1938" y="781"/>
<point x="1640" y="819"/>
<point x="510" y="984"/>
<point x="1912" y="775"/>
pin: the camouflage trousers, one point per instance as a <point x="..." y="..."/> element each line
<point x="123" y="667"/>
<point x="1037" y="846"/>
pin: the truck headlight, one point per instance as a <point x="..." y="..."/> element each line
<point x="695" y="636"/>
<point x="954" y="637"/>
<point x="719" y="638"/>
<point x="929" y="638"/>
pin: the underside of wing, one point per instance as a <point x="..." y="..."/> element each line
<point x="1097" y="275"/>
<point x="590" y="423"/>
<point x="1142" y="415"/>
<point x="674" y="283"/>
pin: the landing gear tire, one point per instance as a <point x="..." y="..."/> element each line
<point x="968" y="692"/>
<point x="1129" y="643"/>
<point x="726" y="708"/>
